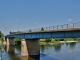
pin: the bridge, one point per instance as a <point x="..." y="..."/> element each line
<point x="30" y="38"/>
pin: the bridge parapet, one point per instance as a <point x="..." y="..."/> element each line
<point x="65" y="27"/>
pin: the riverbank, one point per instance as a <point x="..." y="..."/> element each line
<point x="50" y="43"/>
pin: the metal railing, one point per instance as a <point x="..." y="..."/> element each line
<point x="54" y="28"/>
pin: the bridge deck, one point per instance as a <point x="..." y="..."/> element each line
<point x="70" y="29"/>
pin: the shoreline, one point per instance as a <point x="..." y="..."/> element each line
<point x="49" y="43"/>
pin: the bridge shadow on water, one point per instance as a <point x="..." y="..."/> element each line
<point x="45" y="57"/>
<point x="38" y="57"/>
<point x="13" y="53"/>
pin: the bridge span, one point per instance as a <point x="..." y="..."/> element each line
<point x="30" y="38"/>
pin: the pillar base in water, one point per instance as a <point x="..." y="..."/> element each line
<point x="33" y="47"/>
<point x="30" y="47"/>
<point x="24" y="51"/>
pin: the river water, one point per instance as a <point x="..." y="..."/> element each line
<point x="65" y="51"/>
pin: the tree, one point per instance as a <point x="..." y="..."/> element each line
<point x="18" y="32"/>
<point x="30" y="30"/>
<point x="10" y="32"/>
<point x="1" y="34"/>
<point x="17" y="40"/>
<point x="42" y="29"/>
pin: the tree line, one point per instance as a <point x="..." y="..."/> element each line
<point x="30" y="30"/>
<point x="1" y="35"/>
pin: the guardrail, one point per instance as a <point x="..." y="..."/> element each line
<point x="53" y="28"/>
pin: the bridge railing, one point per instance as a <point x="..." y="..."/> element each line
<point x="54" y="28"/>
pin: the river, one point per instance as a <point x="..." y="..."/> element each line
<point x="65" y="51"/>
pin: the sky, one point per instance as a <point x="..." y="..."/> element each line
<point x="21" y="15"/>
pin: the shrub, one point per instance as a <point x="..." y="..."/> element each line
<point x="42" y="40"/>
<point x="48" y="40"/>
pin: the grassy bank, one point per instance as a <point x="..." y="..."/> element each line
<point x="52" y="41"/>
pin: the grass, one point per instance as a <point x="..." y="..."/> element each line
<point x="56" y="40"/>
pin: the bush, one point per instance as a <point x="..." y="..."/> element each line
<point x="42" y="40"/>
<point x="17" y="40"/>
<point x="68" y="39"/>
<point x="48" y="40"/>
<point x="0" y="39"/>
<point x="52" y="41"/>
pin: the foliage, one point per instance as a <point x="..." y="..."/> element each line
<point x="42" y="29"/>
<point x="48" y="40"/>
<point x="1" y="34"/>
<point x="30" y="30"/>
<point x="10" y="32"/>
<point x="52" y="41"/>
<point x="76" y="38"/>
<point x="15" y="32"/>
<point x="17" y="41"/>
<point x="0" y="39"/>
<point x="68" y="39"/>
<point x="59" y="39"/>
<point x="56" y="40"/>
<point x="42" y="40"/>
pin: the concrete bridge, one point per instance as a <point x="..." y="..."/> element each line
<point x="30" y="38"/>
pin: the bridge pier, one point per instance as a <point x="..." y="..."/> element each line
<point x="30" y="47"/>
<point x="7" y="48"/>
<point x="8" y="41"/>
<point x="4" y="41"/>
<point x="11" y="41"/>
<point x="24" y="50"/>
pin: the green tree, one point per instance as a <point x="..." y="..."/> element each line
<point x="10" y="32"/>
<point x="48" y="39"/>
<point x="30" y="30"/>
<point x="18" y="32"/>
<point x="17" y="40"/>
<point x="42" y="29"/>
<point x="1" y="34"/>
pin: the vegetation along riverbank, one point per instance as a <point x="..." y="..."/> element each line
<point x="52" y="41"/>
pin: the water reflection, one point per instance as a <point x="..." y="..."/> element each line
<point x="67" y="44"/>
<point x="11" y="52"/>
<point x="72" y="45"/>
<point x="57" y="47"/>
<point x="34" y="57"/>
<point x="18" y="50"/>
<point x="14" y="53"/>
<point x="10" y="49"/>
<point x="24" y="57"/>
<point x="42" y="48"/>
<point x="7" y="48"/>
<point x="46" y="57"/>
<point x="18" y="47"/>
<point x="48" y="52"/>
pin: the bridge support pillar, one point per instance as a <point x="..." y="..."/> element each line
<point x="33" y="46"/>
<point x="30" y="47"/>
<point x="4" y="41"/>
<point x="24" y="51"/>
<point x="9" y="41"/>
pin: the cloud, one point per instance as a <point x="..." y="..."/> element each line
<point x="35" y="23"/>
<point x="69" y="19"/>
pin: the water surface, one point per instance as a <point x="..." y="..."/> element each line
<point x="66" y="51"/>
